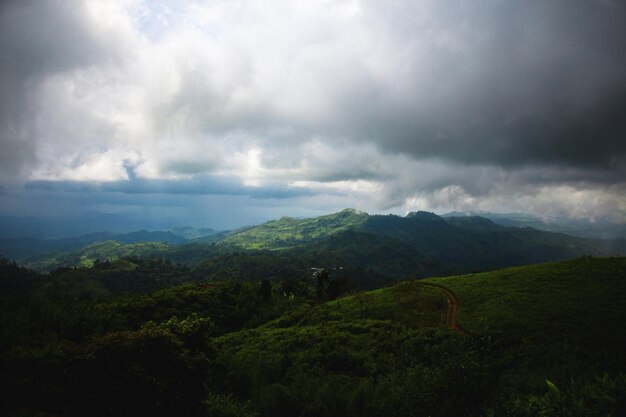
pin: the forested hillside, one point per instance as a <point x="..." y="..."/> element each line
<point x="392" y="247"/>
<point x="135" y="336"/>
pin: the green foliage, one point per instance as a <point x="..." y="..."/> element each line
<point x="217" y="405"/>
<point x="159" y="369"/>
<point x="579" y="301"/>
<point x="603" y="396"/>
<point x="373" y="251"/>
<point x="288" y="232"/>
<point x="194" y="330"/>
<point x="134" y="336"/>
<point x="109" y="249"/>
<point x="265" y="290"/>
<point x="355" y="367"/>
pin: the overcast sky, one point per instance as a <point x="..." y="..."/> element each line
<point x="225" y="113"/>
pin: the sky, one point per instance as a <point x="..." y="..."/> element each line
<point x="148" y="114"/>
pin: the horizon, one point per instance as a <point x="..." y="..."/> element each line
<point x="47" y="229"/>
<point x="148" y="115"/>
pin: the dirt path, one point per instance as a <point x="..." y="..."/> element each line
<point x="453" y="305"/>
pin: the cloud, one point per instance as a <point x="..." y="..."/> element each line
<point x="198" y="185"/>
<point x="394" y="104"/>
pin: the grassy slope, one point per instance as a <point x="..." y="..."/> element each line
<point x="349" y="319"/>
<point x="288" y="231"/>
<point x="407" y="304"/>
<point x="325" y="354"/>
<point x="388" y="352"/>
<point x="558" y="321"/>
<point x="579" y="300"/>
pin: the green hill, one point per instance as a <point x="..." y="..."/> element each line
<point x="560" y="322"/>
<point x="379" y="249"/>
<point x="580" y="301"/>
<point x="453" y="241"/>
<point x="25" y="248"/>
<point x="544" y="339"/>
<point x="288" y="232"/>
<point x="106" y="249"/>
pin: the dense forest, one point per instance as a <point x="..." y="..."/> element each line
<point x="137" y="336"/>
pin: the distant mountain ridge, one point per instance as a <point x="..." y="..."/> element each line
<point x="597" y="228"/>
<point x="23" y="248"/>
<point x="418" y="244"/>
<point x="434" y="244"/>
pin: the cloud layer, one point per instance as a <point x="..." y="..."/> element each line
<point x="398" y="105"/>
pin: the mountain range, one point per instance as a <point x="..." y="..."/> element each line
<point x="418" y="244"/>
<point x="592" y="228"/>
<point x="21" y="248"/>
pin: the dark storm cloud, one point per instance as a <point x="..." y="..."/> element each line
<point x="198" y="185"/>
<point x="444" y="101"/>
<point x="519" y="83"/>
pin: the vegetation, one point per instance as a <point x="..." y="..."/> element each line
<point x="360" y="251"/>
<point x="109" y="249"/>
<point x="136" y="336"/>
<point x="288" y="232"/>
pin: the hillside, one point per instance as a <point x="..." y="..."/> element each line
<point x="589" y="228"/>
<point x="23" y="249"/>
<point x="580" y="301"/>
<point x="558" y="321"/>
<point x="420" y="243"/>
<point x="452" y="239"/>
<point x="392" y="247"/>
<point x="545" y="339"/>
<point x="102" y="250"/>
<point x="289" y="232"/>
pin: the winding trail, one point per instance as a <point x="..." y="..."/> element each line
<point x="453" y="305"/>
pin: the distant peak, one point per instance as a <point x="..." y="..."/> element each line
<point x="424" y="215"/>
<point x="352" y="211"/>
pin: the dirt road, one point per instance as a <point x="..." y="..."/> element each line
<point x="453" y="304"/>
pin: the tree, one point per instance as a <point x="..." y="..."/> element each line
<point x="265" y="291"/>
<point x="322" y="282"/>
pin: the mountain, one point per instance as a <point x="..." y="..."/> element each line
<point x="288" y="232"/>
<point x="100" y="250"/>
<point x="24" y="248"/>
<point x="452" y="241"/>
<point x="376" y="248"/>
<point x="423" y="244"/>
<point x="595" y="228"/>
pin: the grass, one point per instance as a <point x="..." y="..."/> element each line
<point x="288" y="232"/>
<point x="408" y="303"/>
<point x="363" y="322"/>
<point x="384" y="352"/>
<point x="363" y="332"/>
<point x="580" y="301"/>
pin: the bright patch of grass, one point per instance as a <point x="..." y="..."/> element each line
<point x="408" y="303"/>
